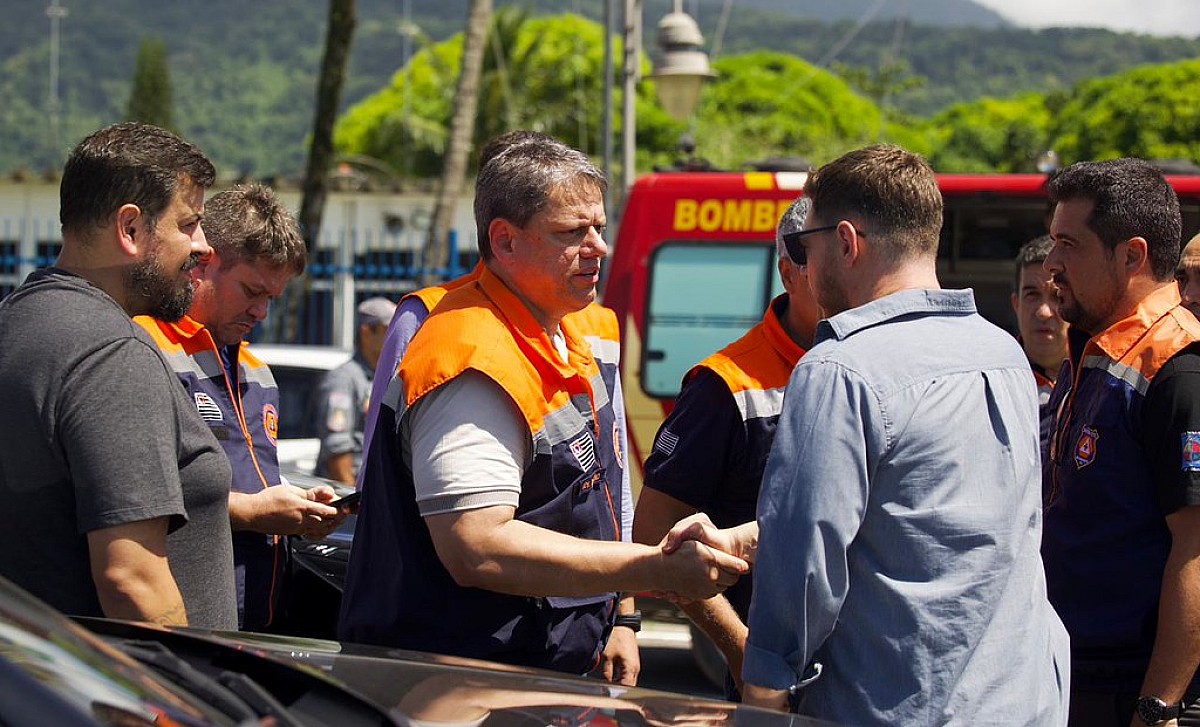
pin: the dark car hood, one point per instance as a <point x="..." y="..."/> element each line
<point x="54" y="672"/>
<point x="434" y="689"/>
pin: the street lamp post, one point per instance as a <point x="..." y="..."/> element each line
<point x="56" y="13"/>
<point x="631" y="75"/>
<point x="684" y="67"/>
<point x="681" y="71"/>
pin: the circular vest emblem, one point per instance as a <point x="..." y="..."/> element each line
<point x="616" y="444"/>
<point x="270" y="419"/>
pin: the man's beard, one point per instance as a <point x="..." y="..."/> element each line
<point x="163" y="296"/>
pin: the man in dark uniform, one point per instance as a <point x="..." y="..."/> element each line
<point x="256" y="250"/>
<point x="344" y="394"/>
<point x="1043" y="332"/>
<point x="710" y="453"/>
<point x="1122" y="526"/>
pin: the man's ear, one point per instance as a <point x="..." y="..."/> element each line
<point x="207" y="262"/>
<point x="502" y="235"/>
<point x="1137" y="254"/>
<point x="849" y="242"/>
<point x="127" y="222"/>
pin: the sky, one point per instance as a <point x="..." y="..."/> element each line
<point x="1157" y="17"/>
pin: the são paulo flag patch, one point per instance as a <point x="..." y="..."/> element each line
<point x="1191" y="451"/>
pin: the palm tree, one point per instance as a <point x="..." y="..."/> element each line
<point x="338" y="37"/>
<point x="462" y="126"/>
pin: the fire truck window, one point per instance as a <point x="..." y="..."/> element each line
<point x="702" y="297"/>
<point x="981" y="235"/>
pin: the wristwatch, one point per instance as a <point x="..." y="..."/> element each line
<point x="629" y="621"/>
<point x="1153" y="710"/>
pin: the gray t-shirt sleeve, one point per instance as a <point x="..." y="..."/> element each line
<point x="468" y="446"/>
<point x="336" y="412"/>
<point x="104" y="413"/>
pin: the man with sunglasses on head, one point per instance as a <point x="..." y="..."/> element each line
<point x="710" y="453"/>
<point x="897" y="576"/>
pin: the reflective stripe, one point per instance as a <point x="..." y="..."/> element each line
<point x="261" y="376"/>
<point x="1117" y="370"/>
<point x="206" y="364"/>
<point x="203" y="364"/>
<point x="599" y="391"/>
<point x="605" y="350"/>
<point x="759" y="403"/>
<point x="563" y="424"/>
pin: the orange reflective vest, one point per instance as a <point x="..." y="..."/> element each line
<point x="397" y="591"/>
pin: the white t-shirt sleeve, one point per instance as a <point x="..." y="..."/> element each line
<point x="469" y="446"/>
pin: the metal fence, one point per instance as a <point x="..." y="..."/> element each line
<point x="346" y="267"/>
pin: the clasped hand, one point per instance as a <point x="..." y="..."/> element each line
<point x="704" y="559"/>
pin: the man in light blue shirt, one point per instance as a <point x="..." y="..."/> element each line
<point x="899" y="519"/>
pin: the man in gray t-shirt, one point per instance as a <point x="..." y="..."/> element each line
<point x="119" y="492"/>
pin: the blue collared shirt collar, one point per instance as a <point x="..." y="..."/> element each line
<point x="905" y="302"/>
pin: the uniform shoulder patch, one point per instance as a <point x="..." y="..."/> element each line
<point x="1085" y="447"/>
<point x="666" y="441"/>
<point x="207" y="407"/>
<point x="270" y="418"/>
<point x="339" y="404"/>
<point x="1191" y="451"/>
<point x="616" y="444"/>
<point x="585" y="451"/>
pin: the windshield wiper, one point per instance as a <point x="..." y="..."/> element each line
<point x="233" y="694"/>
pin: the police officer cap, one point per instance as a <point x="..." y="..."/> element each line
<point x="376" y="311"/>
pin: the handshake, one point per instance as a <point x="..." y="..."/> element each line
<point x="702" y="560"/>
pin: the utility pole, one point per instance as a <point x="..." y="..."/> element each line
<point x="56" y="13"/>
<point x="407" y="32"/>
<point x="631" y="75"/>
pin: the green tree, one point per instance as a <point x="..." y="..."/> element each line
<point x="546" y="74"/>
<point x="338" y="36"/>
<point x="542" y="73"/>
<point x="150" y="99"/>
<point x="1149" y="112"/>
<point x="990" y="135"/>
<point x="769" y="104"/>
<point x="466" y="100"/>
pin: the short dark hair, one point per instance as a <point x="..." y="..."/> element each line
<point x="249" y="224"/>
<point x="1131" y="198"/>
<point x="894" y="192"/>
<point x="130" y="163"/>
<point x="517" y="179"/>
<point x="1033" y="252"/>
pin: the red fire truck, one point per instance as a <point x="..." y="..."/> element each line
<point x="694" y="265"/>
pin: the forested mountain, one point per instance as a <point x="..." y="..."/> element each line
<point x="243" y="73"/>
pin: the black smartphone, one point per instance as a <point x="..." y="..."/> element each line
<point x="347" y="502"/>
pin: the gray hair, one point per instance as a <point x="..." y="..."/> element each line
<point x="791" y="221"/>
<point x="516" y="182"/>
